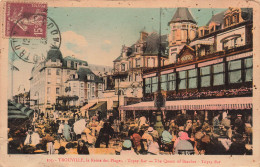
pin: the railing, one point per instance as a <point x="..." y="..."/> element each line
<point x="226" y="93"/>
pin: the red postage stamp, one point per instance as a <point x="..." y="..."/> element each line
<point x="26" y="20"/>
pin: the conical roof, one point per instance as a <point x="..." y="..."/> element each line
<point x="182" y="14"/>
<point x="53" y="54"/>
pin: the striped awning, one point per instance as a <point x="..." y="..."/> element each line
<point x="87" y="106"/>
<point x="98" y="106"/>
<point x="17" y="111"/>
<point x="236" y="103"/>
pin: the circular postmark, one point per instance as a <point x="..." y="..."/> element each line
<point x="33" y="50"/>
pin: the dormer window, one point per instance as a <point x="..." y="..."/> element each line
<point x="123" y="67"/>
<point x="58" y="72"/>
<point x="88" y="77"/>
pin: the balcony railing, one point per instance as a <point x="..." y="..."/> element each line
<point x="225" y="93"/>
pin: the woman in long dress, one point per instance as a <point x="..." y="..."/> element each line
<point x="66" y="132"/>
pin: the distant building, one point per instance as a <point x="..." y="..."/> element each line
<point x="129" y="66"/>
<point x="23" y="98"/>
<point x="57" y="78"/>
<point x="85" y="85"/>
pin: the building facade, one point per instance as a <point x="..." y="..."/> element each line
<point x="129" y="66"/>
<point x="212" y="72"/>
<point x="60" y="79"/>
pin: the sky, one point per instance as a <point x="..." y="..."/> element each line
<point x="97" y="34"/>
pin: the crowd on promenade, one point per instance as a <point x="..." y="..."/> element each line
<point x="180" y="135"/>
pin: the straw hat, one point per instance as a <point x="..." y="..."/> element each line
<point x="150" y="129"/>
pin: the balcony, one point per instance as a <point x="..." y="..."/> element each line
<point x="123" y="84"/>
<point x="119" y="73"/>
<point x="210" y="94"/>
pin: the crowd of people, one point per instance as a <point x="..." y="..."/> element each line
<point x="180" y="135"/>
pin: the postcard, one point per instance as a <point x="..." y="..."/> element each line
<point x="129" y="83"/>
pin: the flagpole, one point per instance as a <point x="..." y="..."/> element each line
<point x="12" y="76"/>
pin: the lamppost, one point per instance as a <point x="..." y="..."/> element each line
<point x="159" y="101"/>
<point x="118" y="91"/>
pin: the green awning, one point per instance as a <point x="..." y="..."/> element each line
<point x="18" y="111"/>
<point x="99" y="106"/>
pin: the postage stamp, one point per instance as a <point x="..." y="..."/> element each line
<point x="25" y="19"/>
<point x="33" y="50"/>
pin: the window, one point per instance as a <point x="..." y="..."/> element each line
<point x="57" y="91"/>
<point x="218" y="74"/>
<point x="58" y="72"/>
<point x="88" y="85"/>
<point x="138" y="61"/>
<point x="48" y="80"/>
<point x="48" y="90"/>
<point x="122" y="67"/>
<point x="205" y="76"/>
<point x="68" y="72"/>
<point x="150" y="62"/>
<point x="82" y="85"/>
<point x="154" y="84"/>
<point x="182" y="77"/>
<point x="234" y="71"/>
<point x="173" y="35"/>
<point x="99" y="86"/>
<point x="130" y="64"/>
<point x="130" y="78"/>
<point x="48" y="100"/>
<point x="192" y="80"/>
<point x="225" y="45"/>
<point x="148" y="88"/>
<point x="49" y="71"/>
<point x="58" y="80"/>
<point x="136" y="77"/>
<point x="93" y="91"/>
<point x="172" y="81"/>
<point x="249" y="69"/>
<point x="164" y="82"/>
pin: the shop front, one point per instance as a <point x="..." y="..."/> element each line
<point x="202" y="108"/>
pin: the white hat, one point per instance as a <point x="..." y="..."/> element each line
<point x="150" y="129"/>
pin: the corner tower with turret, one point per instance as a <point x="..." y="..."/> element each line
<point x="183" y="30"/>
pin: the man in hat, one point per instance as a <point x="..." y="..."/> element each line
<point x="153" y="118"/>
<point x="91" y="140"/>
<point x="147" y="137"/>
<point x="142" y="120"/>
<point x="216" y="123"/>
<point x="226" y="126"/>
<point x="239" y="124"/>
<point x="127" y="148"/>
<point x="32" y="138"/>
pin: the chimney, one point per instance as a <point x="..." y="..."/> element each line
<point x="143" y="35"/>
